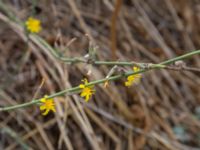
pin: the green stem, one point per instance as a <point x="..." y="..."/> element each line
<point x="167" y="62"/>
<point x="80" y="60"/>
<point x="74" y="89"/>
<point x="38" y="100"/>
<point x="112" y="78"/>
<point x="120" y="63"/>
<point x="77" y="59"/>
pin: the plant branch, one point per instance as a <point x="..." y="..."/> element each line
<point x="161" y="65"/>
<point x="38" y="40"/>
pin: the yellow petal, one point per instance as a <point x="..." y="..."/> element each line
<point x="43" y="100"/>
<point x="42" y="107"/>
<point x="53" y="109"/>
<point x="87" y="97"/>
<point x="85" y="81"/>
<point x="127" y="84"/>
<point x="46" y="112"/>
<point x="82" y="86"/>
<point x="136" y="69"/>
<point x="131" y="77"/>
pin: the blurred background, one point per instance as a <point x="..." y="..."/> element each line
<point x="161" y="112"/>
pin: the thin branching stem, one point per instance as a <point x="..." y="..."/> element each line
<point x="144" y="66"/>
<point x="161" y="65"/>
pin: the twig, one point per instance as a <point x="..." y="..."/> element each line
<point x="38" y="40"/>
<point x="112" y="78"/>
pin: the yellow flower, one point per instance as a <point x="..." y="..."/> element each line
<point x="33" y="25"/>
<point x="133" y="78"/>
<point x="47" y="105"/>
<point x="86" y="91"/>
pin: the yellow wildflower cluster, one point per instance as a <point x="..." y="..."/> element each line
<point x="47" y="105"/>
<point x="133" y="79"/>
<point x="33" y="25"/>
<point x="87" y="91"/>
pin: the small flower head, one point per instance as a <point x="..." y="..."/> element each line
<point x="47" y="105"/>
<point x="33" y="25"/>
<point x="133" y="79"/>
<point x="87" y="91"/>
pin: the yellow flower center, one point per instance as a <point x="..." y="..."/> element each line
<point x="49" y="104"/>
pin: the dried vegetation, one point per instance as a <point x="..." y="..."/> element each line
<point x="162" y="112"/>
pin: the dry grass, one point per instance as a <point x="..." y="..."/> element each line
<point x="162" y="112"/>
